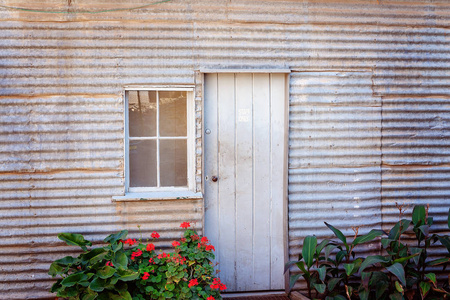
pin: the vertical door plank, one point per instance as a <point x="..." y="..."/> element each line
<point x="244" y="182"/>
<point x="211" y="159"/>
<point x="278" y="131"/>
<point x="261" y="175"/>
<point x="226" y="182"/>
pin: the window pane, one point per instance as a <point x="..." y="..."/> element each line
<point x="173" y="159"/>
<point x="172" y="113"/>
<point x="143" y="163"/>
<point x="142" y="113"/>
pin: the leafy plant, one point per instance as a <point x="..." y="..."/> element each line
<point x="99" y="273"/>
<point x="401" y="272"/>
<point x="323" y="273"/>
<point x="138" y="272"/>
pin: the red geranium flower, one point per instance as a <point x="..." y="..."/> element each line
<point x="136" y="254"/>
<point x="218" y="285"/>
<point x="204" y="240"/>
<point x="210" y="298"/>
<point x="146" y="276"/>
<point x="130" y="242"/>
<point x="210" y="247"/>
<point x="193" y="282"/>
<point x="150" y="247"/>
<point x="175" y="243"/>
<point x="109" y="263"/>
<point x="185" y="225"/>
<point x="155" y="235"/>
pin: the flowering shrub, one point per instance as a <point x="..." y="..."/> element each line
<point x="187" y="273"/>
<point x="133" y="270"/>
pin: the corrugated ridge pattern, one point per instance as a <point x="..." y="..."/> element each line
<point x="354" y="151"/>
<point x="334" y="162"/>
<point x="62" y="159"/>
<point x="403" y="43"/>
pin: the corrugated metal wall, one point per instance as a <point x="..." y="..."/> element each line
<point x="368" y="115"/>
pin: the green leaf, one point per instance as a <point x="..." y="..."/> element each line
<point x="386" y="242"/>
<point x="349" y="268"/>
<point x="438" y="261"/>
<point x="398" y="229"/>
<point x="106" y="272"/>
<point x="371" y="260"/>
<point x="338" y="234"/>
<point x="116" y="247"/>
<point x="92" y="254"/>
<point x="368" y="237"/>
<point x="90" y="296"/>
<point x="445" y="241"/>
<point x="349" y="291"/>
<point x="293" y="279"/>
<point x="56" y="286"/>
<point x="309" y="248"/>
<point x="402" y="259"/>
<point x="120" y="260"/>
<point x="328" y="250"/>
<point x="332" y="283"/>
<point x="418" y="214"/>
<point x="289" y="264"/>
<point x="74" y="239"/>
<point x="112" y="238"/>
<point x="425" y="229"/>
<point x="73" y="279"/>
<point x="125" y="295"/>
<point x="432" y="277"/>
<point x="321" y="246"/>
<point x="398" y="270"/>
<point x="55" y="269"/>
<point x="322" y="271"/>
<point x="364" y="294"/>
<point x="398" y="287"/>
<point x="424" y="288"/>
<point x="381" y="289"/>
<point x="67" y="261"/>
<point x="301" y="266"/>
<point x="365" y="278"/>
<point x="417" y="251"/>
<point x="340" y="256"/>
<point x="98" y="284"/>
<point x="127" y="275"/>
<point x="320" y="287"/>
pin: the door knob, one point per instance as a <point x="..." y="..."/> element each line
<point x="214" y="179"/>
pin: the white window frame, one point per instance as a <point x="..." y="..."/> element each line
<point x="190" y="130"/>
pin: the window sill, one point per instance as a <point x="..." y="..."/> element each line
<point x="156" y="196"/>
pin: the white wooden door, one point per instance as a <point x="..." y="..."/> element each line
<point x="246" y="177"/>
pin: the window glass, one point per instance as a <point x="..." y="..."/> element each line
<point x="142" y="113"/>
<point x="157" y="150"/>
<point x="143" y="163"/>
<point x="173" y="162"/>
<point x="172" y="113"/>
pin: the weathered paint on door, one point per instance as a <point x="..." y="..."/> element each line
<point x="245" y="148"/>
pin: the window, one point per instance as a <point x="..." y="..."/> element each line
<point x="159" y="142"/>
